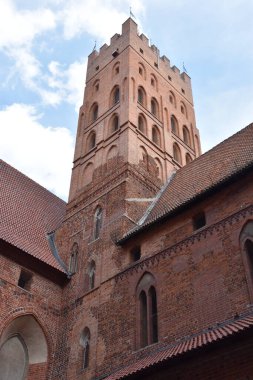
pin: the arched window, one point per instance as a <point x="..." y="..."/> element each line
<point x="91" y="273"/>
<point x="97" y="222"/>
<point x="188" y="158"/>
<point x="142" y="70"/>
<point x="96" y="86"/>
<point x="172" y="98"/>
<point x="153" y="81"/>
<point x="156" y="135"/>
<point x="186" y="135"/>
<point x="148" y="318"/>
<point x="91" y="141"/>
<point x="114" y="123"/>
<point x="177" y="153"/>
<point x="115" y="69"/>
<point x="183" y="109"/>
<point x="154" y="107"/>
<point x="85" y="343"/>
<point x="174" y="125"/>
<point x="246" y="240"/>
<point x="141" y="96"/>
<point x="94" y="112"/>
<point x="142" y="125"/>
<point x="115" y="96"/>
<point x="73" y="262"/>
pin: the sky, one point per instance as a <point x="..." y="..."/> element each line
<point x="44" y="46"/>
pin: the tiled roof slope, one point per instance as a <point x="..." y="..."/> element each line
<point x="197" y="341"/>
<point x="217" y="165"/>
<point x="28" y="212"/>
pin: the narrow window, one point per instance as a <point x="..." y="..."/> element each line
<point x="73" y="263"/>
<point x="154" y="107"/>
<point x="249" y="251"/>
<point x="199" y="221"/>
<point x="92" y="270"/>
<point x="97" y="222"/>
<point x="114" y="124"/>
<point x="25" y="280"/>
<point x="174" y="125"/>
<point x="116" y="95"/>
<point x="85" y="343"/>
<point x="141" y="96"/>
<point x="153" y="315"/>
<point x="142" y="124"/>
<point x="143" y="319"/>
<point x="177" y="153"/>
<point x="156" y="136"/>
<point x="186" y="135"/>
<point x="91" y="141"/>
<point x="94" y="112"/>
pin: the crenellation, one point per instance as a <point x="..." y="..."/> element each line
<point x="115" y="38"/>
<point x="103" y="48"/>
<point x="155" y="49"/>
<point x="144" y="39"/>
<point x="176" y="70"/>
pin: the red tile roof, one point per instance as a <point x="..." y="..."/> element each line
<point x="28" y="213"/>
<point x="208" y="171"/>
<point x="188" y="344"/>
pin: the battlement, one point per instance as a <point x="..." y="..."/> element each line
<point x="141" y="43"/>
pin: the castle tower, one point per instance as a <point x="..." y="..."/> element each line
<point x="136" y="127"/>
<point x="136" y="107"/>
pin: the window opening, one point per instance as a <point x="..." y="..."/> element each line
<point x="97" y="222"/>
<point x="73" y="259"/>
<point x="25" y="280"/>
<point x="199" y="221"/>
<point x="135" y="254"/>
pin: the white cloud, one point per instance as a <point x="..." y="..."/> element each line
<point x="102" y="19"/>
<point x="43" y="153"/>
<point x="20" y="27"/>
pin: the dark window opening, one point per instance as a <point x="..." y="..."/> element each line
<point x="183" y="91"/>
<point x="156" y="64"/>
<point x="115" y="53"/>
<point x="141" y="50"/>
<point x="153" y="316"/>
<point x="97" y="86"/>
<point x="199" y="221"/>
<point x="97" y="68"/>
<point x="169" y="77"/>
<point x="25" y="280"/>
<point x="140" y="71"/>
<point x="86" y="355"/>
<point x="143" y="320"/>
<point x="249" y="250"/>
<point x="98" y="222"/>
<point x="116" y="95"/>
<point x="136" y="254"/>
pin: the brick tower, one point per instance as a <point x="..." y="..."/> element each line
<point x="136" y="127"/>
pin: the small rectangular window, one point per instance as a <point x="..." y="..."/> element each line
<point x="141" y="50"/>
<point x="169" y="77"/>
<point x="199" y="221"/>
<point x="156" y="64"/>
<point x="97" y="68"/>
<point x="25" y="280"/>
<point x="183" y="91"/>
<point x="135" y="254"/>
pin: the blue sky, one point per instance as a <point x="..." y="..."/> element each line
<point x="44" y="46"/>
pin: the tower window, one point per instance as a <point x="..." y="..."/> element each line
<point x="140" y="71"/>
<point x="183" y="91"/>
<point x="156" y="135"/>
<point x="186" y="135"/>
<point x="142" y="123"/>
<point x="91" y="140"/>
<point x="141" y="96"/>
<point x="154" y="107"/>
<point x="25" y="280"/>
<point x="114" y="123"/>
<point x="199" y="221"/>
<point x="188" y="158"/>
<point x="97" y="222"/>
<point x="246" y="241"/>
<point x="115" y="96"/>
<point x="94" y="112"/>
<point x="169" y="77"/>
<point x="141" y="50"/>
<point x="148" y="316"/>
<point x="174" y="125"/>
<point x="177" y="153"/>
<point x="97" y="68"/>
